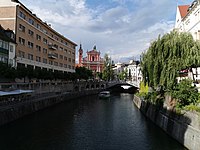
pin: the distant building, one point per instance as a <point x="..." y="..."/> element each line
<point x="7" y="46"/>
<point x="134" y="71"/>
<point x="92" y="61"/>
<point x="118" y="68"/>
<point x="38" y="44"/>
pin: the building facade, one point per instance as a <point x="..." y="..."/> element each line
<point x="7" y="46"/>
<point x="38" y="45"/>
<point x="188" y="19"/>
<point x="92" y="61"/>
<point x="134" y="71"/>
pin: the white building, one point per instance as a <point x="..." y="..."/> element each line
<point x="188" y="20"/>
<point x="134" y="72"/>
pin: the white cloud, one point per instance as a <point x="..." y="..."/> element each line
<point x="124" y="29"/>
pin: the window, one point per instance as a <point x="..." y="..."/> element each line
<point x="38" y="37"/>
<point x="11" y="48"/>
<point x="30" y="56"/>
<point x="65" y="43"/>
<point x="44" y="41"/>
<point x="50" y="62"/>
<point x="56" y="38"/>
<point x="69" y="66"/>
<point x="4" y="45"/>
<point x="55" y="63"/>
<point x="44" y="50"/>
<point x="21" y="14"/>
<point x="61" y="48"/>
<point x="69" y="52"/>
<point x="38" y="26"/>
<point x="21" y="41"/>
<point x="60" y="64"/>
<point x="61" y="57"/>
<point x="69" y="59"/>
<point x="31" y="33"/>
<point x="65" y="58"/>
<point x="30" y="44"/>
<point x="38" y="48"/>
<point x="38" y="59"/>
<point x="31" y="21"/>
<point x="45" y="31"/>
<point x="51" y="34"/>
<point x="65" y="50"/>
<point x="65" y="65"/>
<point x="21" y="54"/>
<point x="73" y="60"/>
<point x="44" y="61"/>
<point x="21" y="28"/>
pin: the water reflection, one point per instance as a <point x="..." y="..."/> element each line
<point x="87" y="124"/>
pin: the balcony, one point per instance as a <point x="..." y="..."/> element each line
<point x="52" y="46"/>
<point x="52" y="55"/>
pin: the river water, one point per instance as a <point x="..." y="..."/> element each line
<point x="87" y="124"/>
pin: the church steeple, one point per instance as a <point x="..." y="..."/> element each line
<point x="80" y="55"/>
<point x="95" y="47"/>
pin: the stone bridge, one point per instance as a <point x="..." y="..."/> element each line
<point x="122" y="87"/>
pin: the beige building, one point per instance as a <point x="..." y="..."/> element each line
<point x="38" y="45"/>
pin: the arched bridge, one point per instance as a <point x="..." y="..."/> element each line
<point x="122" y="87"/>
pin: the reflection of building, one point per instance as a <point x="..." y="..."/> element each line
<point x="7" y="46"/>
<point x="188" y="19"/>
<point x="38" y="44"/>
<point x="92" y="61"/>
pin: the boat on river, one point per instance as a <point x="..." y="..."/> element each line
<point x="104" y="94"/>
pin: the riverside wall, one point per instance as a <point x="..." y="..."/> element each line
<point x="184" y="127"/>
<point x="22" y="107"/>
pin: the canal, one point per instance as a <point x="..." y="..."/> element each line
<point x="87" y="124"/>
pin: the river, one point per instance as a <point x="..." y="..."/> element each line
<point x="87" y="124"/>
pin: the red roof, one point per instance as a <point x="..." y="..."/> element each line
<point x="183" y="10"/>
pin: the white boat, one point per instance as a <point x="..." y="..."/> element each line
<point x="104" y="94"/>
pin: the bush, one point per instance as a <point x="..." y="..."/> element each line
<point x="185" y="93"/>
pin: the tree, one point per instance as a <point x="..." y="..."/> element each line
<point x="83" y="73"/>
<point x="108" y="73"/>
<point x="167" y="56"/>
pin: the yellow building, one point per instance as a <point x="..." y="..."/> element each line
<point x="38" y="45"/>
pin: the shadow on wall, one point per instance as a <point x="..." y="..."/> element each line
<point x="180" y="126"/>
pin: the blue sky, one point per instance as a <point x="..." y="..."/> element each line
<point x="122" y="28"/>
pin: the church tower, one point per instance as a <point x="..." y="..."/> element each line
<point x="80" y="55"/>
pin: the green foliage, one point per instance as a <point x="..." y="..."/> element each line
<point x="155" y="98"/>
<point x="123" y="75"/>
<point x="83" y="73"/>
<point x="192" y="107"/>
<point x="22" y="72"/>
<point x="185" y="93"/>
<point x="166" y="56"/>
<point x="108" y="73"/>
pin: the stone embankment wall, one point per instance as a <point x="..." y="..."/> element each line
<point x="185" y="128"/>
<point x="18" y="109"/>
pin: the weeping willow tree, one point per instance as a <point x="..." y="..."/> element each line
<point x="166" y="56"/>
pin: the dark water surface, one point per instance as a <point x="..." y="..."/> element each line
<point x="87" y="124"/>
